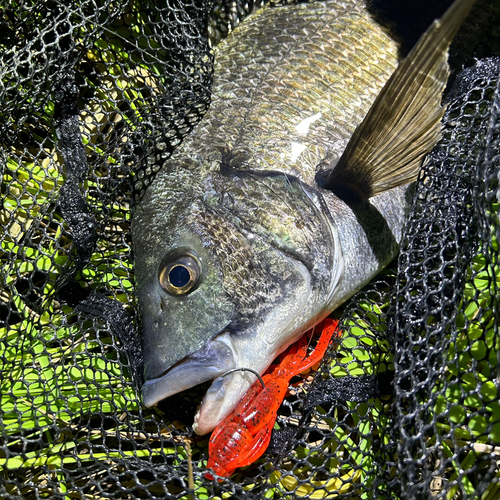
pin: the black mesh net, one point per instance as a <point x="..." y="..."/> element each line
<point x="406" y="406"/>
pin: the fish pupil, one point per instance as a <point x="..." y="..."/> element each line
<point x="179" y="276"/>
<point x="179" y="272"/>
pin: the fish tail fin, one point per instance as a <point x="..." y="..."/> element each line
<point x="404" y="122"/>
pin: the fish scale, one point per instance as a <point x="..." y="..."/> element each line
<point x="284" y="82"/>
<point x="284" y="201"/>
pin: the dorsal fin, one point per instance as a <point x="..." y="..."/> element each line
<point x="404" y="122"/>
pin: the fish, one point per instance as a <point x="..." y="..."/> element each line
<point x="289" y="195"/>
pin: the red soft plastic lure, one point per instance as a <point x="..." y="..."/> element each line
<point x="243" y="436"/>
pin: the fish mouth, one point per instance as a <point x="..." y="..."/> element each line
<point x="208" y="363"/>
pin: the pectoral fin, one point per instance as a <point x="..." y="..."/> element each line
<point x="404" y="122"/>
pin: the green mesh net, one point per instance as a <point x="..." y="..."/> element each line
<point x="405" y="406"/>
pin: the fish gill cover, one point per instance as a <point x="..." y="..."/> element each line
<point x="407" y="406"/>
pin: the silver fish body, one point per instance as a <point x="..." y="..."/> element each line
<point x="239" y="248"/>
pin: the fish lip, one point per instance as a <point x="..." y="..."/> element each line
<point x="208" y="363"/>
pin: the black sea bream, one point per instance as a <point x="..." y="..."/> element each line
<point x="279" y="207"/>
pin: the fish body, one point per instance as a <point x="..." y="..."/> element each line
<point x="279" y="207"/>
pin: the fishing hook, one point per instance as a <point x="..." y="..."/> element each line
<point x="246" y="370"/>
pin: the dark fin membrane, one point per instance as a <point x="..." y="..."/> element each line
<point x="404" y="122"/>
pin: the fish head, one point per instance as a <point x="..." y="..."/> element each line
<point x="232" y="271"/>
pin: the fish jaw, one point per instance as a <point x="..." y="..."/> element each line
<point x="221" y="399"/>
<point x="211" y="361"/>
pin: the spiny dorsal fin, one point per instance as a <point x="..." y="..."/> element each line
<point x="404" y="122"/>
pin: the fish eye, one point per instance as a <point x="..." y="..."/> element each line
<point x="180" y="272"/>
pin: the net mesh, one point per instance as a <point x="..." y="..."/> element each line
<point x="405" y="406"/>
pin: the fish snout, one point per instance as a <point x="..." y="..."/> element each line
<point x="208" y="363"/>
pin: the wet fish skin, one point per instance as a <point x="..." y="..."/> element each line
<point x="277" y="252"/>
<point x="187" y="190"/>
